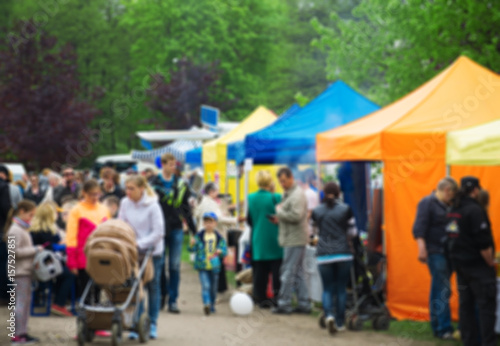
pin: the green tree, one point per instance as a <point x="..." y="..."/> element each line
<point x="392" y="47"/>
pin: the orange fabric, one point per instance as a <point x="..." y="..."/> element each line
<point x="408" y="280"/>
<point x="409" y="137"/>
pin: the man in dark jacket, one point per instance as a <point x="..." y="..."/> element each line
<point x="173" y="195"/>
<point x="472" y="253"/>
<point x="429" y="230"/>
<point x="70" y="188"/>
<point x="5" y="205"/>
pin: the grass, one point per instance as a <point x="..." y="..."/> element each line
<point x="414" y="330"/>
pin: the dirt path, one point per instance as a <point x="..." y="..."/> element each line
<point x="191" y="327"/>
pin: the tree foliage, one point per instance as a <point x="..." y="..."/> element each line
<point x="42" y="113"/>
<point x="392" y="47"/>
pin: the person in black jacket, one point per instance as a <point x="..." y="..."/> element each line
<point x="44" y="232"/>
<point x="173" y="194"/>
<point x="35" y="192"/>
<point x="110" y="185"/>
<point x="429" y="230"/>
<point x="5" y="205"/>
<point x="472" y="252"/>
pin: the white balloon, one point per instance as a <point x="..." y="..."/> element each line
<point x="241" y="304"/>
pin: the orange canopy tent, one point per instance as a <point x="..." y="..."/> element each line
<point x="409" y="136"/>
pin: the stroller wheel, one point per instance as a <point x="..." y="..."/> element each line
<point x="355" y="323"/>
<point x="81" y="332"/>
<point x="381" y="322"/>
<point x="144" y="328"/>
<point x="322" y="323"/>
<point x="116" y="334"/>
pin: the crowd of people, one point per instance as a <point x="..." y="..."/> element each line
<point x="453" y="233"/>
<point x="59" y="212"/>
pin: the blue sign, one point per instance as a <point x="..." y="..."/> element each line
<point x="209" y="116"/>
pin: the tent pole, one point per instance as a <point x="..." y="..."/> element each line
<point x="448" y="170"/>
<point x="318" y="177"/>
<point x="238" y="211"/>
<point x="226" y="178"/>
<point x="245" y="182"/>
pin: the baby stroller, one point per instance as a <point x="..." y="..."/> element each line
<point x="367" y="299"/>
<point x="365" y="296"/>
<point x="113" y="266"/>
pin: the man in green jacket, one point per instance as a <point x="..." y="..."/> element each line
<point x="291" y="214"/>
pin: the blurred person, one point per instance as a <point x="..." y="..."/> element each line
<point x="82" y="221"/>
<point x="110" y="185"/>
<point x="173" y="194"/>
<point x="291" y="214"/>
<point x="44" y="232"/>
<point x="66" y="208"/>
<point x="14" y="192"/>
<point x="210" y="249"/>
<point x="22" y="186"/>
<point x="335" y="221"/>
<point x="141" y="210"/>
<point x="312" y="195"/>
<point x="35" y="192"/>
<point x="483" y="198"/>
<point x="472" y="252"/>
<point x="267" y="254"/>
<point x="149" y="174"/>
<point x="44" y="178"/>
<point x="17" y="234"/>
<point x="5" y="206"/>
<point x="211" y="204"/>
<point x="429" y="230"/>
<point x="79" y="177"/>
<point x="113" y="204"/>
<point x="54" y="180"/>
<point x="69" y="187"/>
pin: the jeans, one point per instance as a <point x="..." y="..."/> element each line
<point x="64" y="283"/>
<point x="477" y="294"/>
<point x="209" y="281"/>
<point x="153" y="288"/>
<point x="261" y="271"/>
<point x="173" y="241"/>
<point x="335" y="277"/>
<point x="293" y="279"/>
<point x="439" y="303"/>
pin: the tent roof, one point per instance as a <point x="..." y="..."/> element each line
<point x="236" y="150"/>
<point x="177" y="148"/>
<point x="292" y="139"/>
<point x="462" y="95"/>
<point x="165" y="136"/>
<point x="193" y="157"/>
<point x="477" y="146"/>
<point x="259" y="118"/>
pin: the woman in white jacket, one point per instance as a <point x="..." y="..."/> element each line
<point x="210" y="204"/>
<point x="141" y="210"/>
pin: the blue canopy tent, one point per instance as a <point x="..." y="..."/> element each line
<point x="236" y="150"/>
<point x="292" y="140"/>
<point x="193" y="157"/>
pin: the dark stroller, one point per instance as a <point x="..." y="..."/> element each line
<point x="366" y="293"/>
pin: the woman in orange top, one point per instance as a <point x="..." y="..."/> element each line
<point x="83" y="220"/>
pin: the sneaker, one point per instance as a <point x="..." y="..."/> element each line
<point x="133" y="336"/>
<point x="281" y="311"/>
<point x="447" y="336"/>
<point x="103" y="333"/>
<point x="153" y="333"/>
<point x="172" y="308"/>
<point x="331" y="325"/>
<point x="60" y="311"/>
<point x="206" y="309"/>
<point x="341" y="329"/>
<point x="212" y="309"/>
<point x="24" y="340"/>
